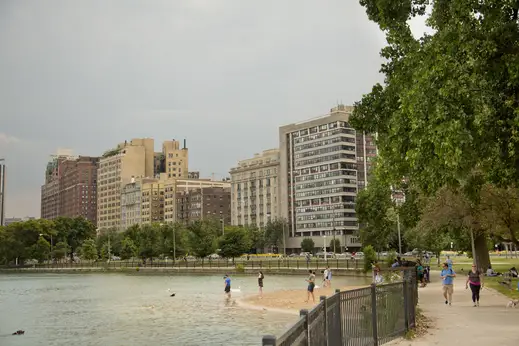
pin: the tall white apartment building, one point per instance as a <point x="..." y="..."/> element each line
<point x="321" y="163"/>
<point x="254" y="189"/>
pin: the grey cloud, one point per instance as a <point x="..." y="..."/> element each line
<point x="223" y="74"/>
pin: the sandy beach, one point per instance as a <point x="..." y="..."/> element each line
<point x="290" y="300"/>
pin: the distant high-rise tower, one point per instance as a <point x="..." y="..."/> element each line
<point x="324" y="162"/>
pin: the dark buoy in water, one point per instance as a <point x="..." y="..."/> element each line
<point x="172" y="295"/>
<point x="19" y="332"/>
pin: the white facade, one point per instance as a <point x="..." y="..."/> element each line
<point x="254" y="189"/>
<point x="319" y="179"/>
<point x="131" y="204"/>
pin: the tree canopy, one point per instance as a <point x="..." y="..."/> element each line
<point x="450" y="101"/>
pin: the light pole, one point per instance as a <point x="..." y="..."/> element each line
<point x="324" y="247"/>
<point x="174" y="242"/>
<point x="398" y="202"/>
<point x="2" y="192"/>
<point x="284" y="241"/>
<point x="333" y="224"/>
<point x="222" y="220"/>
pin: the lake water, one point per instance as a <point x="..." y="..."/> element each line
<point x="124" y="309"/>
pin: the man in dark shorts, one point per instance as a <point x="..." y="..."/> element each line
<point x="311" y="286"/>
<point x="227" y="289"/>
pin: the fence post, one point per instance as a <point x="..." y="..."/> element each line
<point x="303" y="313"/>
<point x="406" y="304"/>
<point x="323" y="299"/>
<point x="268" y="340"/>
<point x="338" y="292"/>
<point x="374" y="313"/>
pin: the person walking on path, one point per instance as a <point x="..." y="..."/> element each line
<point x="475" y="280"/>
<point x="448" y="276"/>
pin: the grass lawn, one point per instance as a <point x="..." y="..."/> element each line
<point x="494" y="283"/>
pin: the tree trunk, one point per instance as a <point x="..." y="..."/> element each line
<point x="482" y="255"/>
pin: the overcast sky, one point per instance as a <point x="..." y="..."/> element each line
<point x="224" y="74"/>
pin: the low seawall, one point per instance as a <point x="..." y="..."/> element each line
<point x="177" y="270"/>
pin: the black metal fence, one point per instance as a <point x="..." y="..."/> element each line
<point x="373" y="315"/>
<point x="286" y="263"/>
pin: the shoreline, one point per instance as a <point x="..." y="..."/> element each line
<point x="177" y="270"/>
<point x="289" y="301"/>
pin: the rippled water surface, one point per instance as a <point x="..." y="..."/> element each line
<point x="121" y="309"/>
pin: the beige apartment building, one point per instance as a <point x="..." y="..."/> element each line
<point x="118" y="167"/>
<point x="324" y="162"/>
<point x="131" y="194"/>
<point x="254" y="189"/>
<point x="152" y="201"/>
<point x="176" y="159"/>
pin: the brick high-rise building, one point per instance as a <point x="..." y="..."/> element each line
<point x="204" y="203"/>
<point x="70" y="188"/>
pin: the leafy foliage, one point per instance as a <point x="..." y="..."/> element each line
<point x="449" y="103"/>
<point x="370" y="257"/>
<point x="202" y="236"/>
<point x="128" y="249"/>
<point x="372" y="208"/>
<point x="234" y="243"/>
<point x="88" y="250"/>
<point x="60" y="250"/>
<point x="307" y="245"/>
<point x="41" y="250"/>
<point x="275" y="231"/>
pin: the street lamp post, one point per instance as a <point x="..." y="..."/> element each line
<point x="398" y="202"/>
<point x="223" y="225"/>
<point x="333" y="224"/>
<point x="324" y="247"/>
<point x="174" y="242"/>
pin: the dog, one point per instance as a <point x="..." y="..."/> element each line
<point x="512" y="303"/>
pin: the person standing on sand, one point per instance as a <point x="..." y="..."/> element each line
<point x="475" y="280"/>
<point x="329" y="277"/>
<point x="325" y="277"/>
<point x="448" y="276"/>
<point x="260" y="283"/>
<point x="311" y="286"/>
<point x="227" y="287"/>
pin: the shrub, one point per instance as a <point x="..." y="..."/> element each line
<point x="240" y="268"/>
<point x="391" y="257"/>
<point x="370" y="257"/>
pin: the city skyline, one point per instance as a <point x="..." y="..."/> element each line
<point x="212" y="73"/>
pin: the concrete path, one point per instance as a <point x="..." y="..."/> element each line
<point x="462" y="324"/>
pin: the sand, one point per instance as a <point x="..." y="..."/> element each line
<point x="290" y="301"/>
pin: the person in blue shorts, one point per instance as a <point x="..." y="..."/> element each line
<point x="227" y="288"/>
<point x="311" y="286"/>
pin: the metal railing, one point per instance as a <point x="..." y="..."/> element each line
<point x="220" y="263"/>
<point x="373" y="315"/>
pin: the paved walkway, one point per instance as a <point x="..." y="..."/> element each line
<point x="462" y="324"/>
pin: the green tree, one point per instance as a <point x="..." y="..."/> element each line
<point x="307" y="245"/>
<point x="449" y="100"/>
<point x="275" y="231"/>
<point x="202" y="237"/>
<point x="41" y="250"/>
<point x="370" y="257"/>
<point x="234" y="243"/>
<point x="74" y="231"/>
<point x="60" y="250"/>
<point x="173" y="236"/>
<point x="149" y="241"/>
<point x="337" y="244"/>
<point x="128" y="249"/>
<point x="499" y="212"/>
<point x="88" y="250"/>
<point x="257" y="236"/>
<point x="372" y="208"/>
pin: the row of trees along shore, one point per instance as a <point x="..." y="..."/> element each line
<point x="447" y="125"/>
<point x="71" y="237"/>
